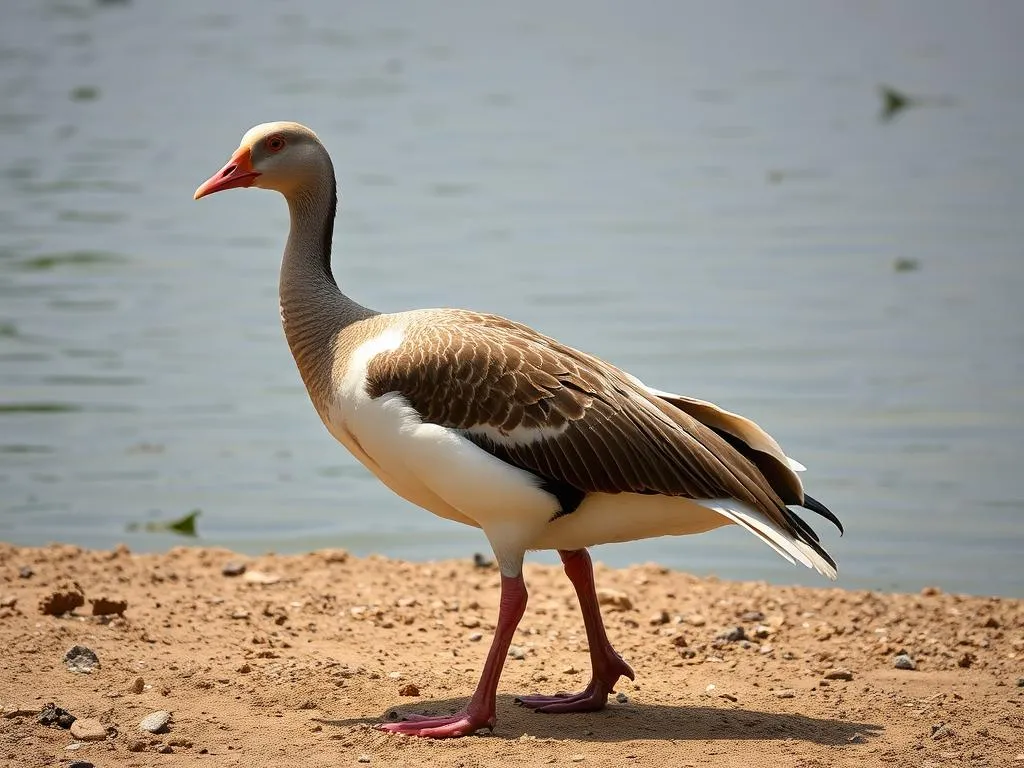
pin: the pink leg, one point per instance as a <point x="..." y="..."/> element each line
<point x="479" y="713"/>
<point x="607" y="665"/>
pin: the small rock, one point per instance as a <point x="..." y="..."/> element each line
<point x="409" y="689"/>
<point x="679" y="641"/>
<point x="517" y="653"/>
<point x="762" y="632"/>
<point x="259" y="577"/>
<point x="155" y="722"/>
<point x="470" y="622"/>
<point x="104" y="606"/>
<point x="8" y="601"/>
<point x="81" y="764"/>
<point x="903" y="661"/>
<point x="54" y="715"/>
<point x="930" y="591"/>
<point x="62" y="600"/>
<point x="180" y="742"/>
<point x="570" y="670"/>
<point x="614" y="599"/>
<point x="966" y="660"/>
<point x="991" y="623"/>
<point x="621" y="698"/>
<point x="165" y="749"/>
<point x="942" y="731"/>
<point x="657" y="619"/>
<point x="696" y="620"/>
<point x="88" y="729"/>
<point x="857" y="738"/>
<point x="136" y="745"/>
<point x="394" y="675"/>
<point x="363" y="759"/>
<point x="1020" y="682"/>
<point x="732" y="634"/>
<point x="138" y="685"/>
<point x="233" y="568"/>
<point x="839" y="674"/>
<point x="245" y="668"/>
<point x="785" y="693"/>
<point x="482" y="561"/>
<point x="578" y="758"/>
<point x="752" y="616"/>
<point x="476" y="637"/>
<point x="81" y="659"/>
<point x="26" y="572"/>
<point x="239" y="613"/>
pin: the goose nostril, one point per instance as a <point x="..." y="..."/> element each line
<point x="229" y="170"/>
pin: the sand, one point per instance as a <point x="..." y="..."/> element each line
<point x="293" y="661"/>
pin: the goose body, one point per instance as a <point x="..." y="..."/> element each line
<point x="486" y="422"/>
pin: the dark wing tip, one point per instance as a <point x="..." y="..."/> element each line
<point x="817" y="507"/>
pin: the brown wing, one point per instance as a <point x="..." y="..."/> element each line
<point x="565" y="416"/>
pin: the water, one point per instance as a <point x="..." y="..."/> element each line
<point x="705" y="196"/>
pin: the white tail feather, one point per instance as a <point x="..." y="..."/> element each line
<point x="771" y="534"/>
<point x="795" y="465"/>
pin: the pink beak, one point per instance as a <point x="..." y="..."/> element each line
<point x="237" y="173"/>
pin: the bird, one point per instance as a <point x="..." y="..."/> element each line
<point x="485" y="421"/>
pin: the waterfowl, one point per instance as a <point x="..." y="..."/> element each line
<point x="486" y="422"/>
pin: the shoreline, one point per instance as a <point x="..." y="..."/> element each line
<point x="293" y="659"/>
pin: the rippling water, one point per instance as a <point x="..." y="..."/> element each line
<point x="706" y="196"/>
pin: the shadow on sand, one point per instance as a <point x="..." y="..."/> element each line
<point x="644" y="721"/>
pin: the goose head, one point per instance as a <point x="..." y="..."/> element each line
<point x="282" y="156"/>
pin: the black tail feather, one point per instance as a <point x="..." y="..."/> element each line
<point x="817" y="507"/>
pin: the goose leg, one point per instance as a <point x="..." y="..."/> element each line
<point x="480" y="712"/>
<point x="607" y="665"/>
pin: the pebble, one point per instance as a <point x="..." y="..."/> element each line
<point x="659" y="618"/>
<point x="8" y="601"/>
<point x="139" y="685"/>
<point x="614" y="599"/>
<point x="25" y="572"/>
<point x="839" y="674"/>
<point x="88" y="729"/>
<point x="233" y="568"/>
<point x="363" y="759"/>
<point x="752" y="616"/>
<point x="732" y="634"/>
<point x="942" y="731"/>
<point x="81" y="659"/>
<point x="479" y="561"/>
<point x="696" y="620"/>
<point x="409" y="689"/>
<point x="155" y="722"/>
<point x="965" y="660"/>
<point x="578" y="758"/>
<point x="62" y="600"/>
<point x="106" y="606"/>
<point x="54" y="715"/>
<point x="857" y="738"/>
<point x="786" y="693"/>
<point x="476" y="637"/>
<point x="621" y="698"/>
<point x="1020" y="682"/>
<point x="259" y="577"/>
<point x="517" y="653"/>
<point x="903" y="661"/>
<point x="570" y="670"/>
<point x="81" y="764"/>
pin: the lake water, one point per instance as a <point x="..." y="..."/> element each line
<point x="702" y="193"/>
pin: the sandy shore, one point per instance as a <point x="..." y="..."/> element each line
<point x="292" y="662"/>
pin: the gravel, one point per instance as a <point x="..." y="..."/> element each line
<point x="155" y="722"/>
<point x="81" y="659"/>
<point x="88" y="729"/>
<point x="233" y="568"/>
<point x="903" y="661"/>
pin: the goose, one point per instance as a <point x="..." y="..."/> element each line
<point x="484" y="421"/>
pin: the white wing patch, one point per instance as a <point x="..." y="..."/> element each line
<point x="518" y="436"/>
<point x="769" y="532"/>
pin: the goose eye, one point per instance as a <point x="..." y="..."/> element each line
<point x="274" y="143"/>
